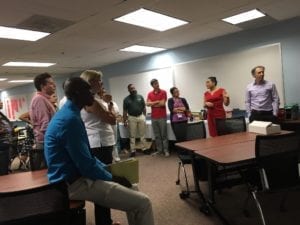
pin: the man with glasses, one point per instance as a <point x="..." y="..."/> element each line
<point x="41" y="111"/>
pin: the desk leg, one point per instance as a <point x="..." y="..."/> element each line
<point x="207" y="205"/>
<point x="204" y="204"/>
<point x="211" y="182"/>
<point x="211" y="192"/>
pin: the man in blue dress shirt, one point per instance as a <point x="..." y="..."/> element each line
<point x="262" y="100"/>
<point x="69" y="158"/>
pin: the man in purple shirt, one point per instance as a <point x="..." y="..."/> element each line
<point x="41" y="111"/>
<point x="262" y="100"/>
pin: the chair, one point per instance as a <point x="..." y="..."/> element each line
<point x="194" y="131"/>
<point x="4" y="161"/>
<point x="37" y="159"/>
<point x="277" y="170"/>
<point x="230" y="125"/>
<point x="46" y="205"/>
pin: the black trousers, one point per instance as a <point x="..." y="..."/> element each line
<point x="37" y="159"/>
<point x="179" y="130"/>
<point x="102" y="214"/>
<point x="262" y="116"/>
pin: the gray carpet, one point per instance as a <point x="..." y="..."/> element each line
<point x="157" y="179"/>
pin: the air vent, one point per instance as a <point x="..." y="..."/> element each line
<point x="44" y="24"/>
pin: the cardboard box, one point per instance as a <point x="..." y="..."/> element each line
<point x="262" y="127"/>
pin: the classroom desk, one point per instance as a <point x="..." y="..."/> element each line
<point x="226" y="150"/>
<point x="221" y="150"/>
<point x="23" y="181"/>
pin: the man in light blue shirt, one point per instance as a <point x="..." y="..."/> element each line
<point x="68" y="157"/>
<point x="262" y="100"/>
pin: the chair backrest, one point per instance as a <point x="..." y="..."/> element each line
<point x="278" y="157"/>
<point x="4" y="161"/>
<point x="230" y="125"/>
<point x="195" y="131"/>
<point x="46" y="205"/>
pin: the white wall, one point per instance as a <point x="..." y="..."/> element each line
<point x="232" y="71"/>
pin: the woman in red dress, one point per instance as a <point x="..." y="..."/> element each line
<point x="214" y="99"/>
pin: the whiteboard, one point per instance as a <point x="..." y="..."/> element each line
<point x="233" y="72"/>
<point x="141" y="81"/>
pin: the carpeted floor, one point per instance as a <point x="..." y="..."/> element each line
<point x="157" y="179"/>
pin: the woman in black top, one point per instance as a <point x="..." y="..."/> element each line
<point x="179" y="113"/>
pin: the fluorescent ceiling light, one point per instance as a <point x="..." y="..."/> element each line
<point x="20" y="81"/>
<point x="29" y="64"/>
<point x="21" y="34"/>
<point x="3" y="79"/>
<point x="243" y="17"/>
<point x="142" y="49"/>
<point x="151" y="20"/>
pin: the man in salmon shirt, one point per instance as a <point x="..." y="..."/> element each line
<point x="157" y="101"/>
<point x="41" y="111"/>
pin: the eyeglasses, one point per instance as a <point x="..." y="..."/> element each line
<point x="95" y="81"/>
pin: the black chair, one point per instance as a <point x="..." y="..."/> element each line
<point x="277" y="169"/>
<point x="228" y="176"/>
<point x="46" y="205"/>
<point x="230" y="125"/>
<point x="4" y="160"/>
<point x="194" y="131"/>
<point x="37" y="159"/>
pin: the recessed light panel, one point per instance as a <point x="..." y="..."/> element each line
<point x="20" y="81"/>
<point x="28" y="64"/>
<point x="243" y="17"/>
<point x="151" y="20"/>
<point x="142" y="49"/>
<point x="21" y="34"/>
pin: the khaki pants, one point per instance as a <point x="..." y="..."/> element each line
<point x="112" y="195"/>
<point x="137" y="127"/>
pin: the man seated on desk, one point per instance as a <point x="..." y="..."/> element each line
<point x="69" y="158"/>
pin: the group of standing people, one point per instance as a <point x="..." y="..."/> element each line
<point x="78" y="140"/>
<point x="261" y="102"/>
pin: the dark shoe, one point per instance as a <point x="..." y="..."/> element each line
<point x="132" y="154"/>
<point x="147" y="151"/>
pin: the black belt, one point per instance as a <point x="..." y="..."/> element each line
<point x="136" y="115"/>
<point x="262" y="112"/>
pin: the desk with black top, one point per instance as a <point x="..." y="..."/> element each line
<point x="226" y="150"/>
